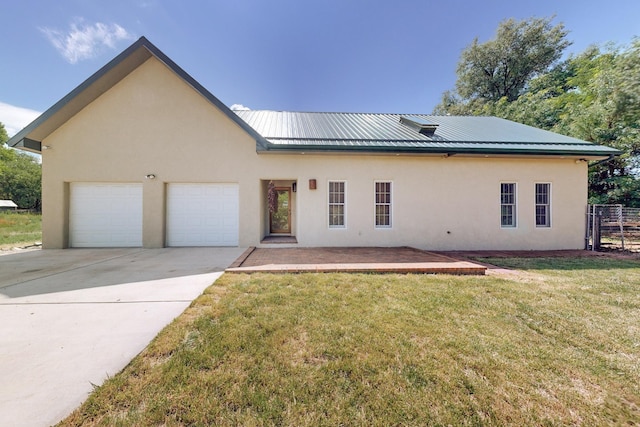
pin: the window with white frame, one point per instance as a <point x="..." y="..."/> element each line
<point x="337" y="204"/>
<point x="508" y="204"/>
<point x="383" y="204"/>
<point x="543" y="205"/>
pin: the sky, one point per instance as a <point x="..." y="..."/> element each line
<point x="387" y="56"/>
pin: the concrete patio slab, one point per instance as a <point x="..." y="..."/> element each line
<point x="71" y="318"/>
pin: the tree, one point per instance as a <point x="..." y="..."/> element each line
<point x="3" y="135"/>
<point x="594" y="96"/>
<point x="20" y="176"/>
<point x="503" y="67"/>
<point x="604" y="107"/>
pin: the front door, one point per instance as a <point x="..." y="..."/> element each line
<point x="280" y="220"/>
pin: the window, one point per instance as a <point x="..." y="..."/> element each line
<point x="543" y="205"/>
<point x="383" y="204"/>
<point x="337" y="204"/>
<point x="508" y="204"/>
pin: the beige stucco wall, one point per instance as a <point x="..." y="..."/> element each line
<point x="153" y="122"/>
<point x="446" y="204"/>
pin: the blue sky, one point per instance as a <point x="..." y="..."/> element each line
<point x="302" y="55"/>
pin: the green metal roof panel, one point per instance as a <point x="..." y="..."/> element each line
<point x="385" y="132"/>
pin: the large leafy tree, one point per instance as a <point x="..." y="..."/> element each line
<point x="20" y="176"/>
<point x="593" y="96"/>
<point x="604" y="107"/>
<point x="502" y="67"/>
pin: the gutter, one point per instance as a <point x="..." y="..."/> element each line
<point x="599" y="162"/>
<point x="358" y="149"/>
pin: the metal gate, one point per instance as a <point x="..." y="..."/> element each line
<point x="612" y="226"/>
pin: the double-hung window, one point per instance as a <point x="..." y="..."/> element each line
<point x="543" y="205"/>
<point x="508" y="204"/>
<point x="383" y="204"/>
<point x="337" y="204"/>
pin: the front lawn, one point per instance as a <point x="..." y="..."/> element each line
<point x="555" y="344"/>
<point x="19" y="229"/>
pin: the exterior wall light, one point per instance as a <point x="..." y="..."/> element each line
<point x="150" y="176"/>
<point x="46" y="147"/>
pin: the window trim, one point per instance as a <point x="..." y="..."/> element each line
<point x="548" y="205"/>
<point x="344" y="205"/>
<point x="514" y="204"/>
<point x="376" y="204"/>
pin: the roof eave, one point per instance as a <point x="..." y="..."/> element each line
<point x="586" y="154"/>
<point x="79" y="97"/>
<point x="27" y="144"/>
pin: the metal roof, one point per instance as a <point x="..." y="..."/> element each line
<point x="328" y="132"/>
<point x="295" y="131"/>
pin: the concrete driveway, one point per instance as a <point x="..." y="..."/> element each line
<point x="71" y="318"/>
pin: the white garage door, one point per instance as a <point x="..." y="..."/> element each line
<point x="202" y="215"/>
<point x="105" y="215"/>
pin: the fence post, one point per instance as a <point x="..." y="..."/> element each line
<point x="597" y="232"/>
<point x="587" y="231"/>
<point x="593" y="227"/>
<point x="619" y="215"/>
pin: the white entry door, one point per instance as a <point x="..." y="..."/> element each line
<point x="202" y="214"/>
<point x="105" y="215"/>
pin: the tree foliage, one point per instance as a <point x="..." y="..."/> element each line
<point x="20" y="176"/>
<point x="594" y="96"/>
<point x="3" y="135"/>
<point x="503" y="66"/>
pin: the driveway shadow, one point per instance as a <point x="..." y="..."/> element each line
<point x="54" y="271"/>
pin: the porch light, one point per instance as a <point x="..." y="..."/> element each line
<point x="312" y="184"/>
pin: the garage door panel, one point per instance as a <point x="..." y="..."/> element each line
<point x="105" y="215"/>
<point x="202" y="214"/>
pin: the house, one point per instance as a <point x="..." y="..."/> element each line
<point x="141" y="154"/>
<point x="6" y="205"/>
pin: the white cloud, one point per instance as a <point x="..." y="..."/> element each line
<point x="15" y="118"/>
<point x="84" y="41"/>
<point x="146" y="4"/>
<point x="239" y="107"/>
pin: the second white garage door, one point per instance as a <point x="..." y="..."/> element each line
<point x="202" y="215"/>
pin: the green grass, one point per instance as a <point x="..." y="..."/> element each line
<point x="19" y="229"/>
<point x="564" y="265"/>
<point x="555" y="344"/>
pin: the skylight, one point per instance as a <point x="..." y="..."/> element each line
<point x="419" y="125"/>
